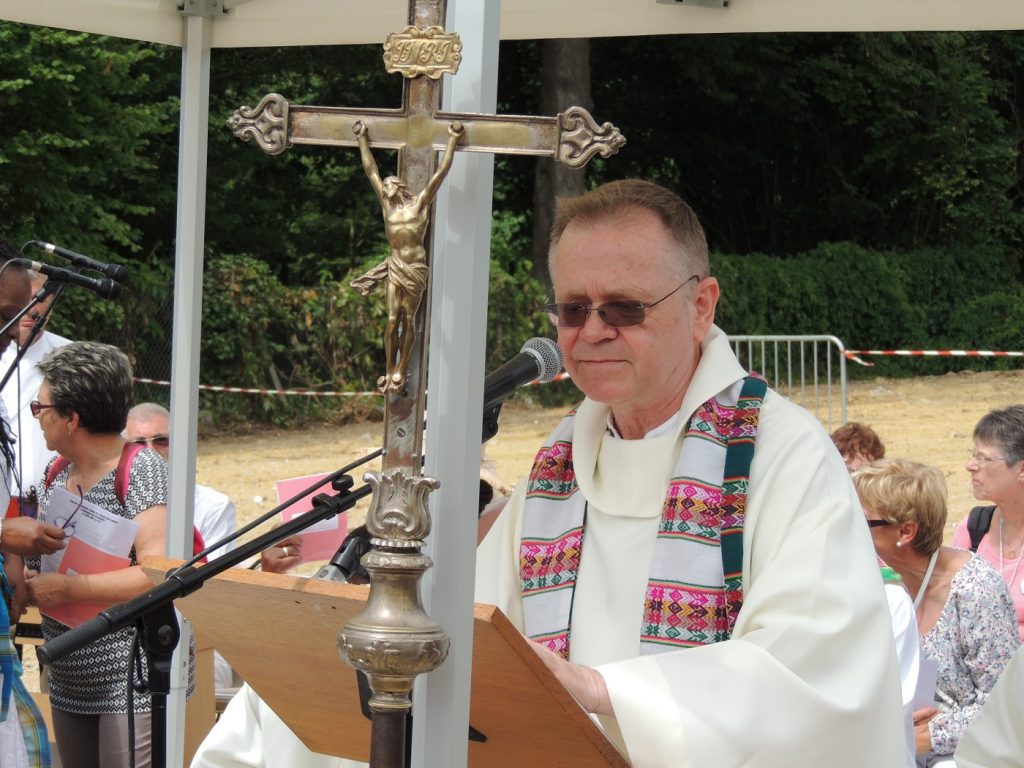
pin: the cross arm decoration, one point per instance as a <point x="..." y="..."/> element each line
<point x="418" y="130"/>
<point x="572" y="137"/>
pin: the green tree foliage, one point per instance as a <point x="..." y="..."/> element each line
<point x="786" y="141"/>
<point x="992" y="321"/>
<point x="309" y="212"/>
<point x="865" y="185"/>
<point x="85" y="118"/>
<point x="942" y="299"/>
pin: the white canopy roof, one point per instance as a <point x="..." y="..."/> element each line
<point x="331" y="22"/>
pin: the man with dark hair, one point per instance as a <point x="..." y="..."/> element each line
<point x="30" y="447"/>
<point x="23" y="737"/>
<point x="18" y="535"/>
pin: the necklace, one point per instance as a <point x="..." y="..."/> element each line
<point x="1001" y="561"/>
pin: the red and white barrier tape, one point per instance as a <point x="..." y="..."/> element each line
<point x="300" y="392"/>
<point x="255" y="391"/>
<point x="853" y="354"/>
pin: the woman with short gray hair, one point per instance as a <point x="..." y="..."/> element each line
<point x="996" y="467"/>
<point x="82" y="407"/>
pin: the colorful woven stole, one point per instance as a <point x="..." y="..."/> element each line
<point x="688" y="600"/>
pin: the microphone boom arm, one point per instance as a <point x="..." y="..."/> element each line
<point x="182" y="581"/>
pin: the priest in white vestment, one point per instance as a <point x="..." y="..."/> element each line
<point x="995" y="737"/>
<point x="808" y="675"/>
<point x="712" y="583"/>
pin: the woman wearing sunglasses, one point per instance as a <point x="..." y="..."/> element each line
<point x="82" y="407"/>
<point x="964" y="613"/>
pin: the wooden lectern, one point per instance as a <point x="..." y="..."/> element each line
<point x="280" y="634"/>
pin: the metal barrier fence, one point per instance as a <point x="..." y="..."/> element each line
<point x="801" y="368"/>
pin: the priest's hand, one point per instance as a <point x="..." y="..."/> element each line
<point x="28" y="536"/>
<point x="923" y="736"/>
<point x="584" y="683"/>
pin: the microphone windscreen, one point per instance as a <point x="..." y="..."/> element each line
<point x="548" y="356"/>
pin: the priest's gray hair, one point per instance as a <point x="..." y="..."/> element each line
<point x="93" y="380"/>
<point x="616" y="200"/>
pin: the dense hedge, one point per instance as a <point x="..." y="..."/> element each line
<point x="258" y="332"/>
<point x="928" y="298"/>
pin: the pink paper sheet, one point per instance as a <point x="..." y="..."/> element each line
<point x="323" y="539"/>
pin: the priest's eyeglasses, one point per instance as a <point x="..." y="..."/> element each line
<point x="617" y="314"/>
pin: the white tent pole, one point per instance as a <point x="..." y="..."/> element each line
<point x="458" y="330"/>
<point x="188" y="305"/>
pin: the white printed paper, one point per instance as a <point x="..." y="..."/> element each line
<point x="97" y="541"/>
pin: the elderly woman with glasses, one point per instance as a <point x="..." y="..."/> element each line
<point x="996" y="466"/>
<point x="964" y="612"/>
<point x="82" y="406"/>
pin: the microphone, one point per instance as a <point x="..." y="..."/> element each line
<point x="113" y="271"/>
<point x="539" y="359"/>
<point x="105" y="288"/>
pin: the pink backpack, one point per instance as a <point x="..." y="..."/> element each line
<point x="124" y="468"/>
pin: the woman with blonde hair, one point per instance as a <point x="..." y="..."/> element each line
<point x="964" y="611"/>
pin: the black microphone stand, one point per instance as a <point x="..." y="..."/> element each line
<point x="159" y="633"/>
<point x="153" y="610"/>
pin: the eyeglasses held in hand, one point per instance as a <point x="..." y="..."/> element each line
<point x="161" y="440"/>
<point x="617" y="314"/>
<point x="66" y="525"/>
<point x="36" y="407"/>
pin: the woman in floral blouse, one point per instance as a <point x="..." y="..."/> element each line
<point x="964" y="612"/>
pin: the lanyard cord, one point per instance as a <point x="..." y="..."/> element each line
<point x="927" y="578"/>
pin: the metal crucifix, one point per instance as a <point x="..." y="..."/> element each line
<point x="393" y="639"/>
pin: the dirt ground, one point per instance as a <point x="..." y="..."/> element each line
<point x="928" y="418"/>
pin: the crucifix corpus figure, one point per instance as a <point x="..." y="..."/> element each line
<point x="393" y="639"/>
<point x="406" y="218"/>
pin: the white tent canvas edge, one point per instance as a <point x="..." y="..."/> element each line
<point x="254" y="23"/>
